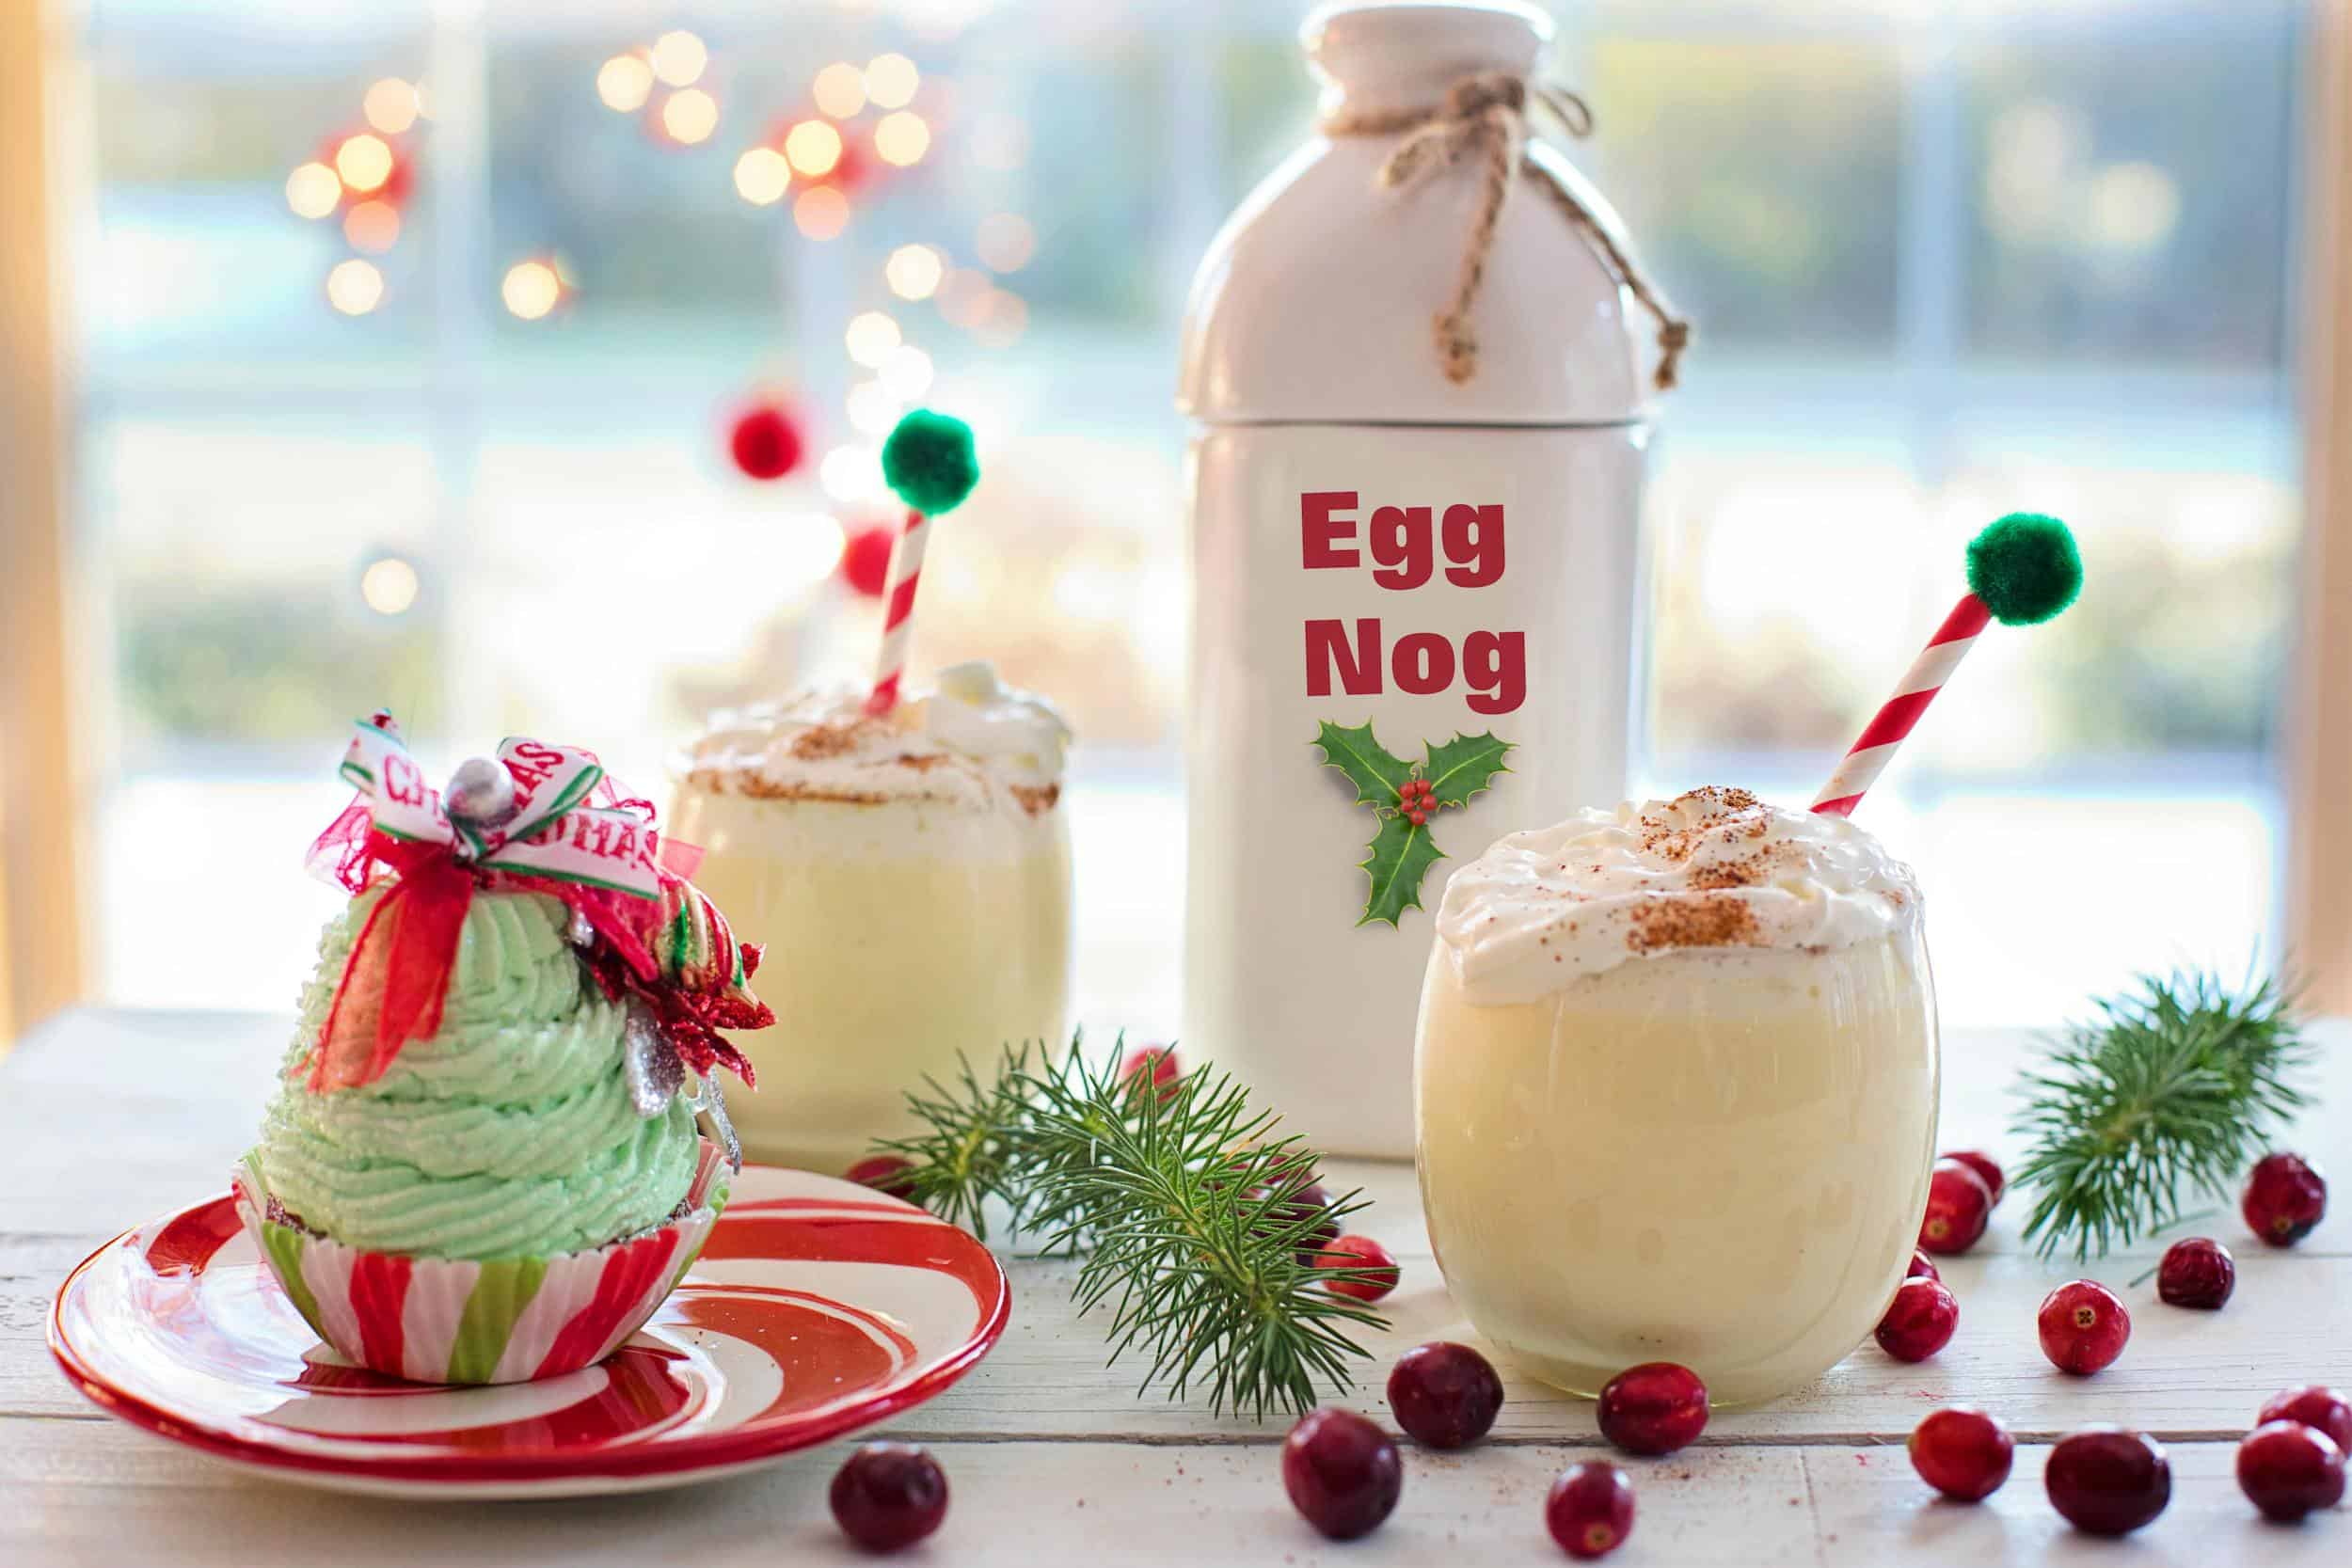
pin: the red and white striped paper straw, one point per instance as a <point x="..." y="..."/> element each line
<point x="1900" y="714"/>
<point x="906" y="569"/>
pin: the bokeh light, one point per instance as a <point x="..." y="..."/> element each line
<point x="1007" y="317"/>
<point x="372" y="227"/>
<point x="907" y="372"/>
<point x="839" y="89"/>
<point x="678" y="58"/>
<point x="873" y="408"/>
<point x="914" y="271"/>
<point x="1006" y="242"/>
<point x="891" y="81"/>
<point x="903" y="138"/>
<point x="390" y="586"/>
<point x="762" y="176"/>
<point x="870" y="336"/>
<point x="314" y="190"/>
<point x="364" y="162"/>
<point x="530" y="289"/>
<point x="624" y="82"/>
<point x="689" y="116"/>
<point x="965" y="296"/>
<point x="820" y="213"/>
<point x="355" y="287"/>
<point x="814" y="148"/>
<point x="852" y="474"/>
<point x="391" y="105"/>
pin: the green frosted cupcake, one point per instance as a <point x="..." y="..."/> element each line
<point x="498" y="1139"/>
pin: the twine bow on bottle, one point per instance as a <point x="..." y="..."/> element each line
<point x="1485" y="116"/>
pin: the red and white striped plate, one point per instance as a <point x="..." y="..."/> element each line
<point x="816" y="1307"/>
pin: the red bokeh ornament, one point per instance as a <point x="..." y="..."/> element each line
<point x="865" y="563"/>
<point x="766" y="442"/>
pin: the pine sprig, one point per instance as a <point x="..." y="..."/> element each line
<point x="1184" y="1203"/>
<point x="2166" y="1094"/>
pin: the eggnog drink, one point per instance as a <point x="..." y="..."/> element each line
<point x="909" y="875"/>
<point x="1676" y="1091"/>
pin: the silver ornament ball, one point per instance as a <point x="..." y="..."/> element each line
<point x="480" y="792"/>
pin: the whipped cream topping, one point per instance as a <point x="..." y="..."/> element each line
<point x="974" y="741"/>
<point x="1714" y="868"/>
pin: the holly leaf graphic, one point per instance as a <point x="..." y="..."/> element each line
<point x="1367" y="764"/>
<point x="1464" y="766"/>
<point x="1402" y="854"/>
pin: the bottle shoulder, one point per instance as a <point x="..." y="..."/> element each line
<point x="1318" y="299"/>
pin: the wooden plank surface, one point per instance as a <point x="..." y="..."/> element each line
<point x="107" y="1118"/>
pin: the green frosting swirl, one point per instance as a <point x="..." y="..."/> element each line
<point x="509" y="1132"/>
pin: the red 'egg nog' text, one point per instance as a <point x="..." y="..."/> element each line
<point x="1408" y="547"/>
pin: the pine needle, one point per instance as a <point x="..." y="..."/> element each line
<point x="2166" y="1096"/>
<point x="1184" y="1207"/>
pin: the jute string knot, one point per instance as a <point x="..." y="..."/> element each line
<point x="1486" y="116"/>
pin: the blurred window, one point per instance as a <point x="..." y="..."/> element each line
<point x="412" y="332"/>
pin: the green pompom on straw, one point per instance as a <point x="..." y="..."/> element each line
<point x="2023" y="569"/>
<point x="929" y="463"/>
<point x="2026" y="568"/>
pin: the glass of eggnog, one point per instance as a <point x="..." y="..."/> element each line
<point x="1675" y="1084"/>
<point x="908" y="875"/>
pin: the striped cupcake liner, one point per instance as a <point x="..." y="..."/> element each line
<point x="505" y="1320"/>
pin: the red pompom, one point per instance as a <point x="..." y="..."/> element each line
<point x="766" y="442"/>
<point x="865" y="565"/>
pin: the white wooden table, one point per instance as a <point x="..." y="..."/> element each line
<point x="107" y="1118"/>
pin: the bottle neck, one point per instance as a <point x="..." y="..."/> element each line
<point x="1381" y="58"/>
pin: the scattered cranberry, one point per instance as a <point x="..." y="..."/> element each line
<point x="2084" y="1327"/>
<point x="2288" y="1469"/>
<point x="1921" y="1268"/>
<point x="885" y="1173"/>
<point x="2108" y="1481"/>
<point x="1368" y="1259"/>
<point x="1342" y="1472"/>
<point x="2198" y="1272"/>
<point x="1655" y="1407"/>
<point x="1959" y="1204"/>
<point x="887" y="1495"/>
<point x="1920" y="1322"/>
<point x="1590" y="1511"/>
<point x="2284" y="1197"/>
<point x="1155" y="1064"/>
<point x="1995" y="1183"/>
<point x="1444" y="1394"/>
<point x="2321" y="1408"/>
<point x="1303" y="1206"/>
<point x="1962" y="1452"/>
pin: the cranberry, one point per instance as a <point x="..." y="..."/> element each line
<point x="887" y="1495"/>
<point x="2108" y="1481"/>
<point x="2315" y="1406"/>
<point x="1962" y="1452"/>
<point x="1590" y="1511"/>
<point x="1920" y="1322"/>
<point x="1155" y="1064"/>
<point x="1342" y="1472"/>
<point x="1959" y="1203"/>
<point x="1376" y="1271"/>
<point x="1304" y="1206"/>
<point x="1995" y="1183"/>
<point x="1655" y="1407"/>
<point x="2288" y="1469"/>
<point x="1921" y="1268"/>
<point x="1445" y="1395"/>
<point x="2084" y="1327"/>
<point x="2198" y="1272"/>
<point x="2284" y="1197"/>
<point x="885" y="1173"/>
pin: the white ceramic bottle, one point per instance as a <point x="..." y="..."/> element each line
<point x="1377" y="541"/>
